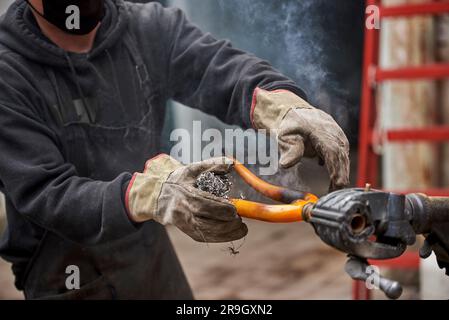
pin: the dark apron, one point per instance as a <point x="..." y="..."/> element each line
<point x="143" y="265"/>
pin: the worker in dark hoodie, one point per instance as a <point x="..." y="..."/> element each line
<point x="83" y="89"/>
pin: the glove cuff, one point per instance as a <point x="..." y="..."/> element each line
<point x="144" y="189"/>
<point x="268" y="108"/>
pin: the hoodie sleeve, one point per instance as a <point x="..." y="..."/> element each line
<point x="46" y="189"/>
<point x="214" y="77"/>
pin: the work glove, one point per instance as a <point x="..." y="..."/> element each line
<point x="166" y="192"/>
<point x="302" y="130"/>
<point x="438" y="242"/>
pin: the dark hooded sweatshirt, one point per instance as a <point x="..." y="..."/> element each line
<point x="73" y="127"/>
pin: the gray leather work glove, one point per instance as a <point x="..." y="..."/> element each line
<point x="166" y="192"/>
<point x="438" y="242"/>
<point x="303" y="130"/>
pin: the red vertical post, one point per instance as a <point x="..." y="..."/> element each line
<point x="367" y="162"/>
<point x="360" y="291"/>
<point x="355" y="290"/>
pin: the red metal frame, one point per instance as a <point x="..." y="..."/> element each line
<point x="372" y="74"/>
<point x="433" y="8"/>
<point x="431" y="71"/>
<point x="433" y="134"/>
<point x="367" y="170"/>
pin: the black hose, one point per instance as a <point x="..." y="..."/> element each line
<point x="427" y="211"/>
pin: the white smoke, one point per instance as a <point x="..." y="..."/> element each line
<point x="305" y="43"/>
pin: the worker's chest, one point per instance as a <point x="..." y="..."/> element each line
<point x="109" y="115"/>
<point x="111" y="91"/>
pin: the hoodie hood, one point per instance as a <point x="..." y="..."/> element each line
<point x="20" y="33"/>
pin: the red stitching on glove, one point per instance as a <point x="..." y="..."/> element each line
<point x="253" y="106"/>
<point x="128" y="190"/>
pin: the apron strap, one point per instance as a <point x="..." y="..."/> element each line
<point x="57" y="108"/>
<point x="141" y="69"/>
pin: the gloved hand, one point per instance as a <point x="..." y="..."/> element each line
<point x="438" y="242"/>
<point x="165" y="192"/>
<point x="303" y="130"/>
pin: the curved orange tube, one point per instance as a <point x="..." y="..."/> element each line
<point x="271" y="191"/>
<point x="283" y="213"/>
<point x="291" y="212"/>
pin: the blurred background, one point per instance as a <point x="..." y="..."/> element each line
<point x="319" y="44"/>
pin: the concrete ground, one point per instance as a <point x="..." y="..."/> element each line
<point x="274" y="262"/>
